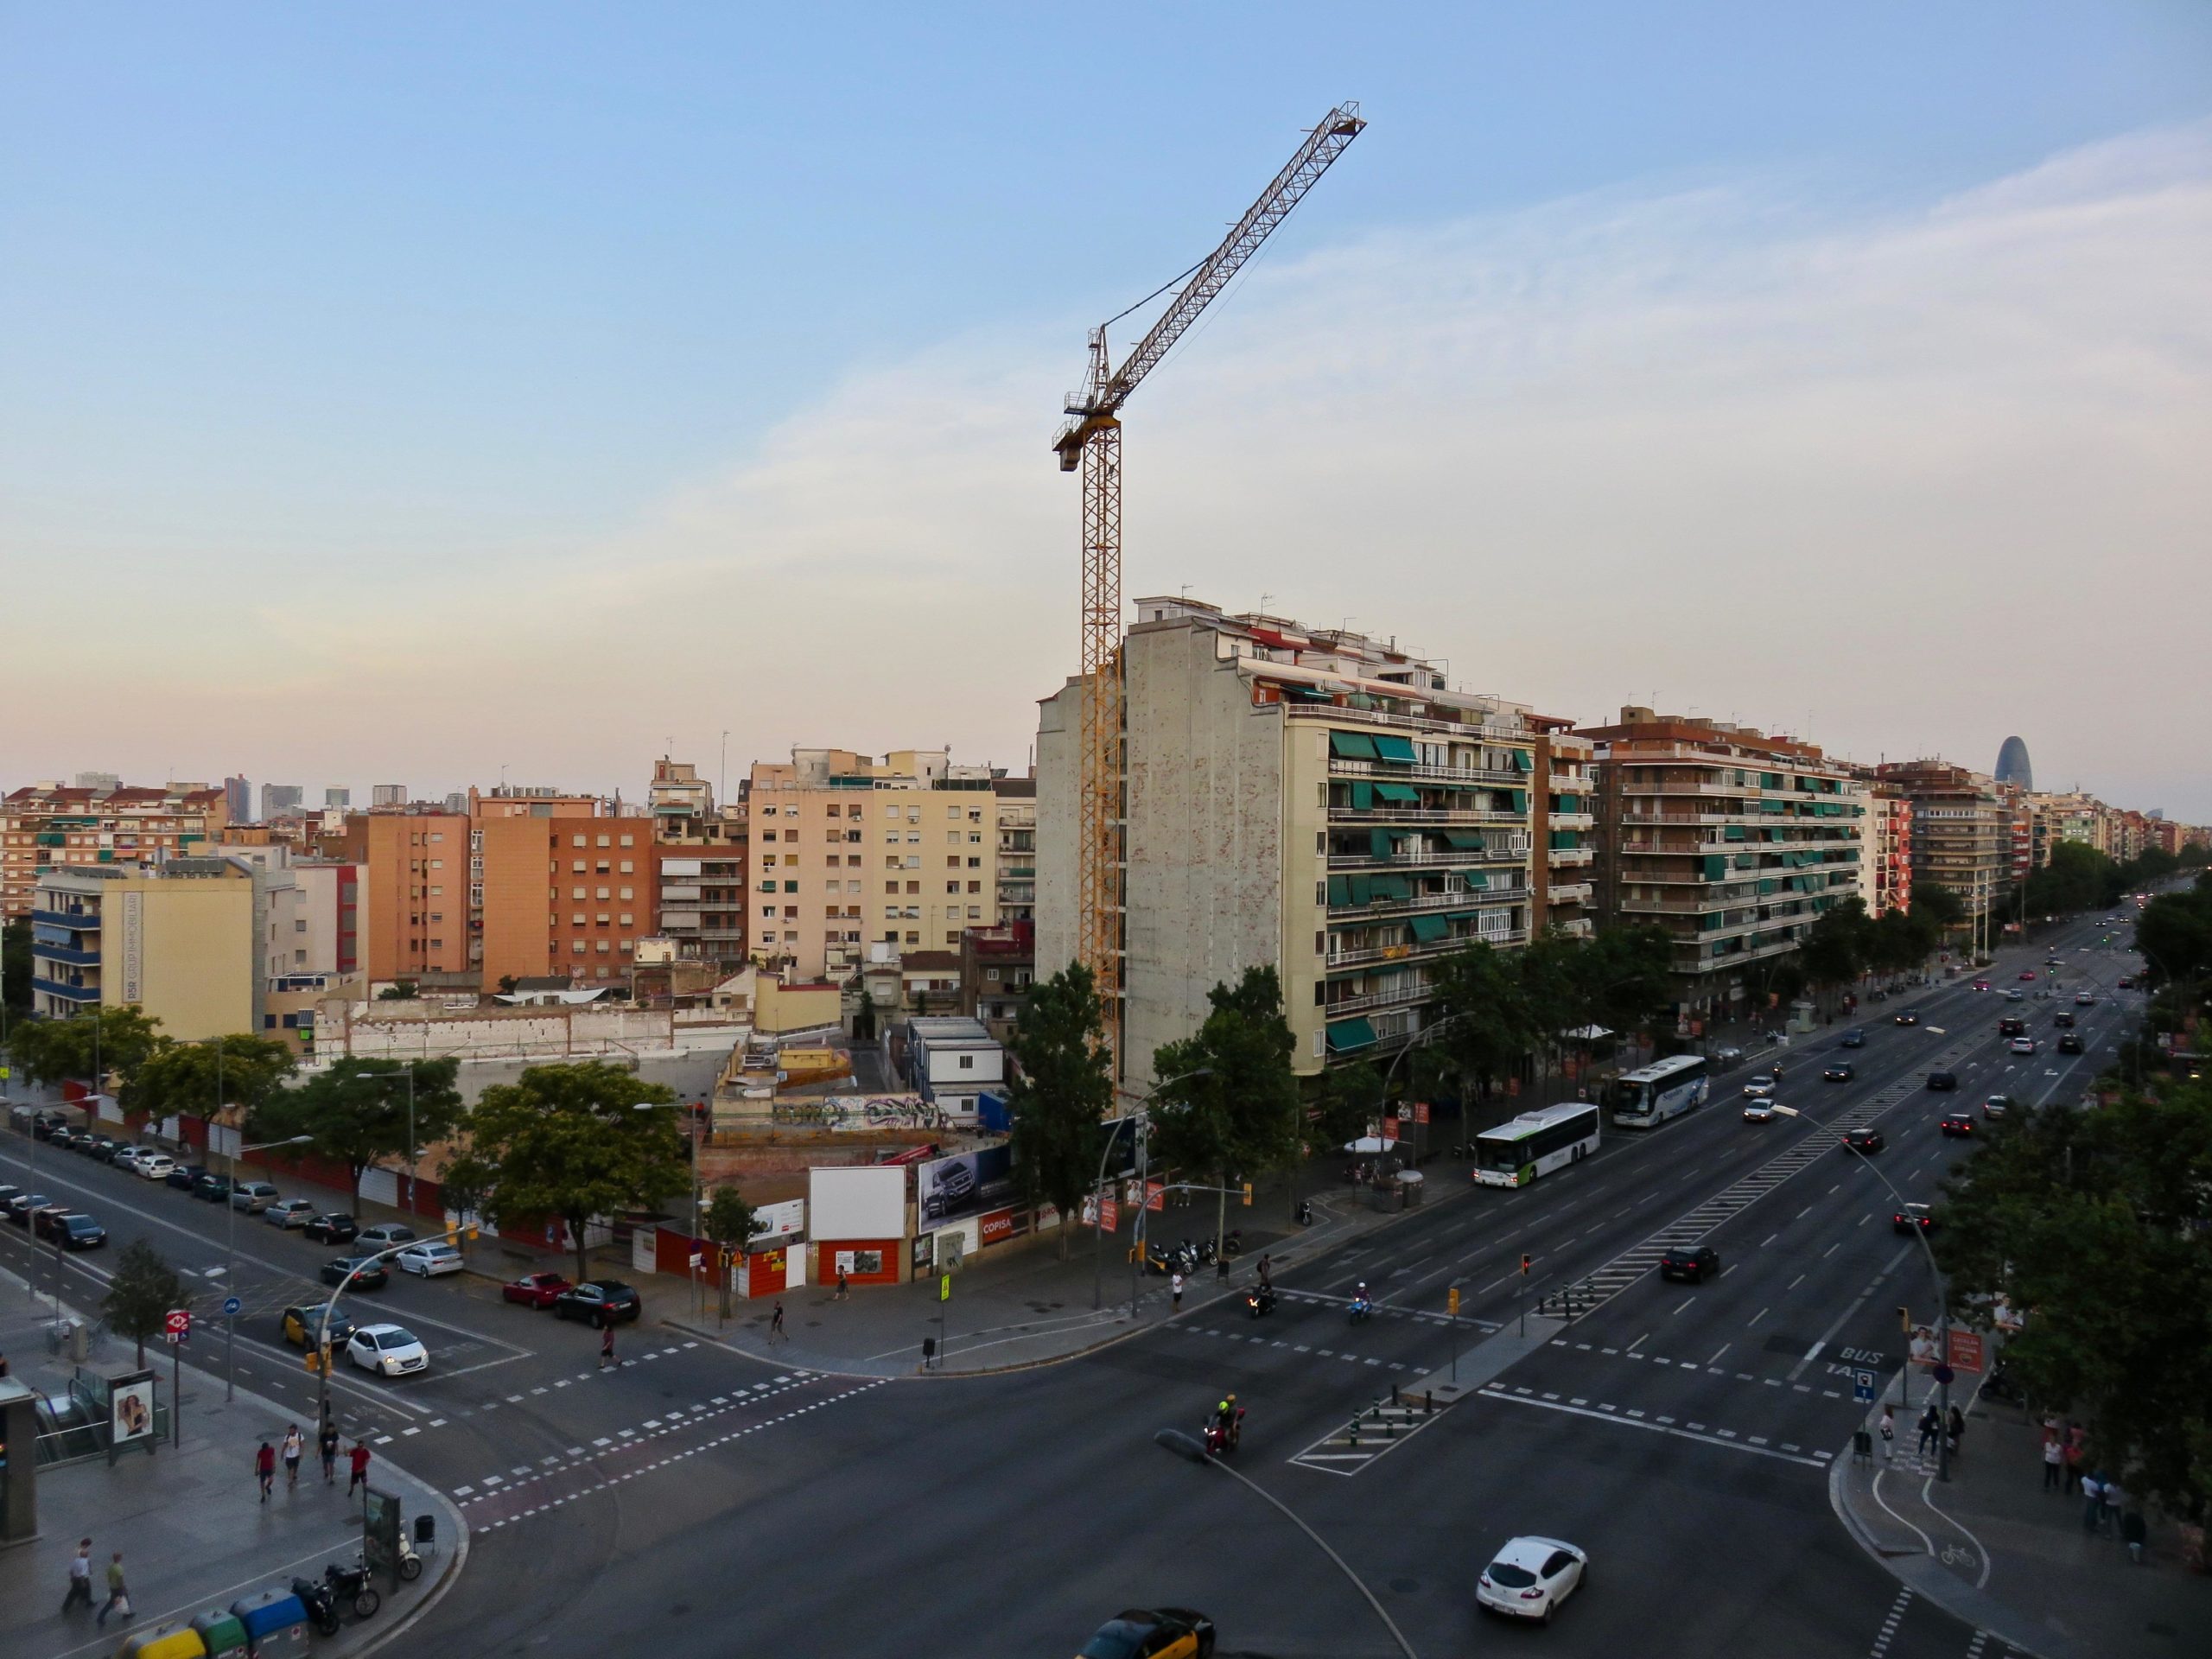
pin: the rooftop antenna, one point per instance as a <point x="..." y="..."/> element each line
<point x="1265" y="598"/>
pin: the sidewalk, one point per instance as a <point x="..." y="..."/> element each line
<point x="1026" y="1307"/>
<point x="193" y="1534"/>
<point x="1995" y="1549"/>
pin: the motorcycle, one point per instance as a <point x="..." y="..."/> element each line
<point x="1260" y="1300"/>
<point x="1220" y="1440"/>
<point x="1232" y="1242"/>
<point x="322" y="1610"/>
<point x="2001" y="1387"/>
<point x="350" y="1587"/>
<point x="1362" y="1310"/>
<point x="1305" y="1213"/>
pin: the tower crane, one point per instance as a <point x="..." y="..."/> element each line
<point x="1091" y="441"/>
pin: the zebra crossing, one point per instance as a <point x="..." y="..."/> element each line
<point x="1371" y="1433"/>
<point x="1593" y="1290"/>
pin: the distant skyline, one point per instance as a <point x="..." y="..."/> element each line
<point x="418" y="393"/>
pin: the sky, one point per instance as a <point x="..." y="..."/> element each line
<point x="436" y="394"/>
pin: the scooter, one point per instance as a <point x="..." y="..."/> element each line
<point x="1232" y="1242"/>
<point x="1362" y="1310"/>
<point x="1221" y="1441"/>
<point x="1260" y="1299"/>
<point x="314" y="1596"/>
<point x="2000" y="1386"/>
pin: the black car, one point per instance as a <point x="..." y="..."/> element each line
<point x="1141" y="1632"/>
<point x="46" y="1124"/>
<point x="1913" y="1217"/>
<point x="73" y="1231"/>
<point x="1957" y="1123"/>
<point x="185" y="1177"/>
<point x="1939" y="1081"/>
<point x="1690" y="1264"/>
<point x="216" y="1189"/>
<point x="2063" y="1018"/>
<point x="1838" y="1071"/>
<point x="336" y="1228"/>
<point x="372" y="1275"/>
<point x="1908" y="1017"/>
<point x="1853" y="1038"/>
<point x="602" y="1302"/>
<point x="2069" y="1042"/>
<point x="2012" y="1026"/>
<point x="93" y="1143"/>
<point x="1863" y="1140"/>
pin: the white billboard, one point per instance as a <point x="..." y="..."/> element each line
<point x="862" y="1201"/>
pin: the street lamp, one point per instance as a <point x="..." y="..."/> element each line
<point x="231" y="1242"/>
<point x="1942" y="1302"/>
<point x="1184" y="1446"/>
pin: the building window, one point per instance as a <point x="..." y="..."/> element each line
<point x="914" y="886"/>
<point x="975" y="913"/>
<point x="575" y="892"/>
<point x="974" y="886"/>
<point x="575" y="841"/>
<point x="576" y="867"/>
<point x="890" y="888"/>
<point x="975" y="863"/>
<point x="601" y="868"/>
<point x="952" y="887"/>
<point x="604" y="841"/>
<point x="629" y="841"/>
<point x="953" y="863"/>
<point x="791" y="887"/>
<point x="629" y="867"/>
<point x="913" y="938"/>
<point x="626" y="892"/>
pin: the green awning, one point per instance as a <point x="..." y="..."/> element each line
<point x="1716" y="867"/>
<point x="1429" y="929"/>
<point x="1776" y="834"/>
<point x="1737" y="832"/>
<point x="1390" y="747"/>
<point x="1345" y="1035"/>
<point x="1565" y="840"/>
<point x="1570" y="803"/>
<point x="1520" y="799"/>
<point x="1380" y="887"/>
<point x="1464" y="841"/>
<point x="1381" y="843"/>
<point x="1747" y="860"/>
<point x="1476" y="880"/>
<point x="1363" y="796"/>
<point x="1340" y="890"/>
<point x="1522" y="761"/>
<point x="1352" y="746"/>
<point x="1398" y="794"/>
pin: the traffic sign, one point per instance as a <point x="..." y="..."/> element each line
<point x="1943" y="1374"/>
<point x="177" y="1322"/>
<point x="1862" y="1387"/>
<point x="231" y="1307"/>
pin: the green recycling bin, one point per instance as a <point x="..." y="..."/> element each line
<point x="223" y="1633"/>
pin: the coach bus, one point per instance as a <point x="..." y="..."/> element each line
<point x="1646" y="1097"/>
<point x="1535" y="1143"/>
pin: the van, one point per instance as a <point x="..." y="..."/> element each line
<point x="253" y="1197"/>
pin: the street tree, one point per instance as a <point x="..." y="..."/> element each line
<point x="570" y="1141"/>
<point x="200" y="1079"/>
<point x="1243" y="1114"/>
<point x="356" y="1113"/>
<point x="144" y="1288"/>
<point x="86" y="1046"/>
<point x="1346" y="1100"/>
<point x="1484" y="1028"/>
<point x="464" y="1183"/>
<point x="728" y="1221"/>
<point x="1838" y="947"/>
<point x="15" y="968"/>
<point x="1061" y="1089"/>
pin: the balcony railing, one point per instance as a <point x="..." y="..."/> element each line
<point x="1516" y="852"/>
<point x="1334" y="714"/>
<point x="81" y="920"/>
<point x="1398" y="998"/>
<point x="74" y="993"/>
<point x="1469" y="898"/>
<point x="1352" y="816"/>
<point x="46" y="950"/>
<point x="1398" y="770"/>
<point x="1572" y="892"/>
<point x="1561" y="858"/>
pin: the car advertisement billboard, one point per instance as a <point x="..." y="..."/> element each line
<point x="967" y="1184"/>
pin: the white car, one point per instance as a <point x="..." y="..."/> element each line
<point x="1759" y="1108"/>
<point x="154" y="1165"/>
<point x="127" y="1157"/>
<point x="1530" y="1577"/>
<point x="387" y="1349"/>
<point x="430" y="1260"/>
<point x="2023" y="1045"/>
<point x="1760" y="1087"/>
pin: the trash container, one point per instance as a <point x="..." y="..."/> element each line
<point x="221" y="1632"/>
<point x="1384" y="1195"/>
<point x="276" y="1623"/>
<point x="1410" y="1187"/>
<point x="164" y="1642"/>
<point x="426" y="1534"/>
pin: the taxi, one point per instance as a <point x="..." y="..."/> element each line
<point x="1152" y="1633"/>
<point x="302" y="1323"/>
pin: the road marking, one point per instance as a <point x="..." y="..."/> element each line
<point x="1756" y="1317"/>
<point x="1694" y="1432"/>
<point x="1794" y="1283"/>
<point x="1639" y="1342"/>
<point x="1684" y="1303"/>
<point x="1716" y="1358"/>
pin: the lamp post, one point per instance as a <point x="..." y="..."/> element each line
<point x="1098" y="1198"/>
<point x="1942" y="1304"/>
<point x="1184" y="1446"/>
<point x="230" y="1245"/>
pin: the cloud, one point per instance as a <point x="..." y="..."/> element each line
<point x="1905" y="478"/>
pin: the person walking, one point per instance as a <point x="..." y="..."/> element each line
<point x="80" y="1576"/>
<point x="1956" y="1430"/>
<point x="2054" y="1463"/>
<point x="359" y="1456"/>
<point x="264" y="1468"/>
<point x="2076" y="1454"/>
<point x="1266" y="1282"/>
<point x="1931" y="1424"/>
<point x="2110" y="1497"/>
<point x="2092" y="1497"/>
<point x="776" y="1324"/>
<point x="1889" y="1433"/>
<point x="326" y="1443"/>
<point x="118" y="1594"/>
<point x="293" y="1447"/>
<point x="2132" y="1532"/>
<point x="605" y="1346"/>
<point x="841" y="1285"/>
<point x="1175" y="1290"/>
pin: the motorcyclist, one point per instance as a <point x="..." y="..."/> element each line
<point x="1224" y="1418"/>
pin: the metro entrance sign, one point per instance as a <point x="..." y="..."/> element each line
<point x="176" y="1325"/>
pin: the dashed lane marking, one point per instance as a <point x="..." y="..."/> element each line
<point x="1726" y="1438"/>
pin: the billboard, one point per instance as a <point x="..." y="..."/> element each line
<point x="864" y="1201"/>
<point x="952" y="1189"/>
<point x="130" y="1408"/>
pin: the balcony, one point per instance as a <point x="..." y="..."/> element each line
<point x="46" y="950"/>
<point x="1369" y="956"/>
<point x="1510" y="849"/>
<point x="1466" y="899"/>
<point x="1576" y="927"/>
<point x="1571" y="893"/>
<point x="80" y="920"/>
<point x="1364" y="816"/>
<point x="1336" y="715"/>
<point x="1402" y="996"/>
<point x="1564" y="858"/>
<point x="1400" y="771"/>
<point x="76" y="991"/>
<point x="1573" y="821"/>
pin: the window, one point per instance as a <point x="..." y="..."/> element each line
<point x="913" y="938"/>
<point x="791" y="887"/>
<point x="791" y="858"/>
<point x="952" y="838"/>
<point x="913" y="815"/>
<point x="603" y="840"/>
<point x="575" y="841"/>
<point x="604" y="893"/>
<point x="913" y="838"/>
<point x="437" y="944"/>
<point x="975" y="838"/>
<point x="600" y="867"/>
<point x="602" y="919"/>
<point x="953" y="862"/>
<point x="952" y="887"/>
<point x="767" y="913"/>
<point x="577" y="867"/>
<point x="628" y="867"/>
<point x="437" y="863"/>
<point x="629" y="841"/>
<point x="299" y="927"/>
<point x="576" y="947"/>
<point x="575" y="892"/>
<point x="974" y="886"/>
<point x="975" y="863"/>
<point x="975" y="913"/>
<point x="768" y="835"/>
<point x="437" y="834"/>
<point x="604" y="947"/>
<point x="626" y="892"/>
<point x="914" y="860"/>
<point x="952" y="938"/>
<point x="852" y="886"/>
<point x="767" y="938"/>
<point x="890" y="888"/>
<point x="914" y="886"/>
<point x="991" y="974"/>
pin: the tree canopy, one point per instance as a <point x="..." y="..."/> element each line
<point x="356" y="1113"/>
<point x="1243" y="1112"/>
<point x="143" y="1289"/>
<point x="198" y="1079"/>
<point x="568" y="1140"/>
<point x="1061" y="1089"/>
<point x="15" y="968"/>
<point x="85" y="1046"/>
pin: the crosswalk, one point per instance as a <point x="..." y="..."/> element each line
<point x="1382" y="1428"/>
<point x="1593" y="1290"/>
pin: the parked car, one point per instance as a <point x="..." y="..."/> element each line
<point x="100" y="1147"/>
<point x="1907" y="1017"/>
<point x="185" y="1177"/>
<point x="46" y="1220"/>
<point x="429" y="1261"/>
<point x="46" y="1123"/>
<point x="252" y="1197"/>
<point x="336" y="1228"/>
<point x="289" y="1213"/>
<point x="7" y="1197"/>
<point x="1727" y="1054"/>
<point x="1838" y="1071"/>
<point x="535" y="1289"/>
<point x="213" y="1187"/>
<point x="1530" y="1577"/>
<point x="604" y="1302"/>
<point x="2015" y="995"/>
<point x="1956" y="1124"/>
<point x="1854" y="1038"/>
<point x="1690" y="1263"/>
<point x="78" y="1232"/>
<point x="384" y="1235"/>
<point x="1912" y="1218"/>
<point x="387" y="1349"/>
<point x="24" y="1206"/>
<point x="302" y="1322"/>
<point x="1942" y="1080"/>
<point x="2069" y="1042"/>
<point x="1863" y="1140"/>
<point x="371" y="1276"/>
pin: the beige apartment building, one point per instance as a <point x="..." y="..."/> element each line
<point x="54" y="826"/>
<point x="1966" y="836"/>
<point x="178" y="939"/>
<point x="1318" y="801"/>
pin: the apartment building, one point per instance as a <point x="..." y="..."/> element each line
<point x="280" y="800"/>
<point x="701" y="850"/>
<point x="1017" y="834"/>
<point x="51" y="826"/>
<point x="1730" y="840"/>
<point x="1563" y="831"/>
<point x="1315" y="800"/>
<point x="387" y="794"/>
<point x="238" y="798"/>
<point x="1963" y="831"/>
<point x="178" y="939"/>
<point x="1885" y="870"/>
<point x="852" y="858"/>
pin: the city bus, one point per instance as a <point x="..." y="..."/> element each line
<point x="1535" y="1143"/>
<point x="1649" y="1096"/>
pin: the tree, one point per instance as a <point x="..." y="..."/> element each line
<point x="2174" y="932"/>
<point x="2098" y="1226"/>
<point x="1839" y="946"/>
<point x="1243" y="1114"/>
<point x="86" y="1046"/>
<point x="464" y="1183"/>
<point x="1625" y="977"/>
<point x="2077" y="877"/>
<point x="144" y="1290"/>
<point x="356" y="1113"/>
<point x="570" y="1141"/>
<point x="728" y="1221"/>
<point x="1062" y="1088"/>
<point x="1347" y="1100"/>
<point x="400" y="990"/>
<point x="864" y="1016"/>
<point x="1484" y="1027"/>
<point x="15" y="968"/>
<point x="506" y="985"/>
<point x="1938" y="906"/>
<point x="198" y="1079"/>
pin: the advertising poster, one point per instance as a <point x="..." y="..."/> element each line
<point x="130" y="1408"/>
<point x="967" y="1184"/>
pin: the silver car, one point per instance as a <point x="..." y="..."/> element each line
<point x="290" y="1212"/>
<point x="252" y="1197"/>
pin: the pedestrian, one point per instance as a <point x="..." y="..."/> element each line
<point x="359" y="1456"/>
<point x="2110" y="1497"/>
<point x="1931" y="1424"/>
<point x="776" y="1324"/>
<point x="80" y="1576"/>
<point x="118" y="1594"/>
<point x="1956" y="1429"/>
<point x="1889" y="1432"/>
<point x="842" y="1286"/>
<point x="326" y="1443"/>
<point x="294" y="1445"/>
<point x="2073" y="1455"/>
<point x="1266" y="1283"/>
<point x="1175" y="1290"/>
<point x="2054" y="1465"/>
<point x="2092" y="1497"/>
<point x="2132" y="1530"/>
<point x="264" y="1468"/>
<point x="605" y="1346"/>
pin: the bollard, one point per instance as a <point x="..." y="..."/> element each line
<point x="1394" y="1394"/>
<point x="1429" y="1402"/>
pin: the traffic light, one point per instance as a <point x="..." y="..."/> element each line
<point x="1248" y="1195"/>
<point x="1454" y="1296"/>
<point x="1526" y="1262"/>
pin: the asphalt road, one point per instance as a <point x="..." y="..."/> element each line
<point x="693" y="1502"/>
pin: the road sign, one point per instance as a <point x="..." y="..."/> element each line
<point x="1943" y="1374"/>
<point x="1862" y="1387"/>
<point x="176" y="1323"/>
<point x="231" y="1307"/>
<point x="1110" y="1215"/>
<point x="945" y="1287"/>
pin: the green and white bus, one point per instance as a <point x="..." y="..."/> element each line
<point x="1535" y="1143"/>
<point x="1649" y="1096"/>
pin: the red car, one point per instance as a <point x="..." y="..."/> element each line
<point x="1982" y="984"/>
<point x="535" y="1289"/>
<point x="2027" y="973"/>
